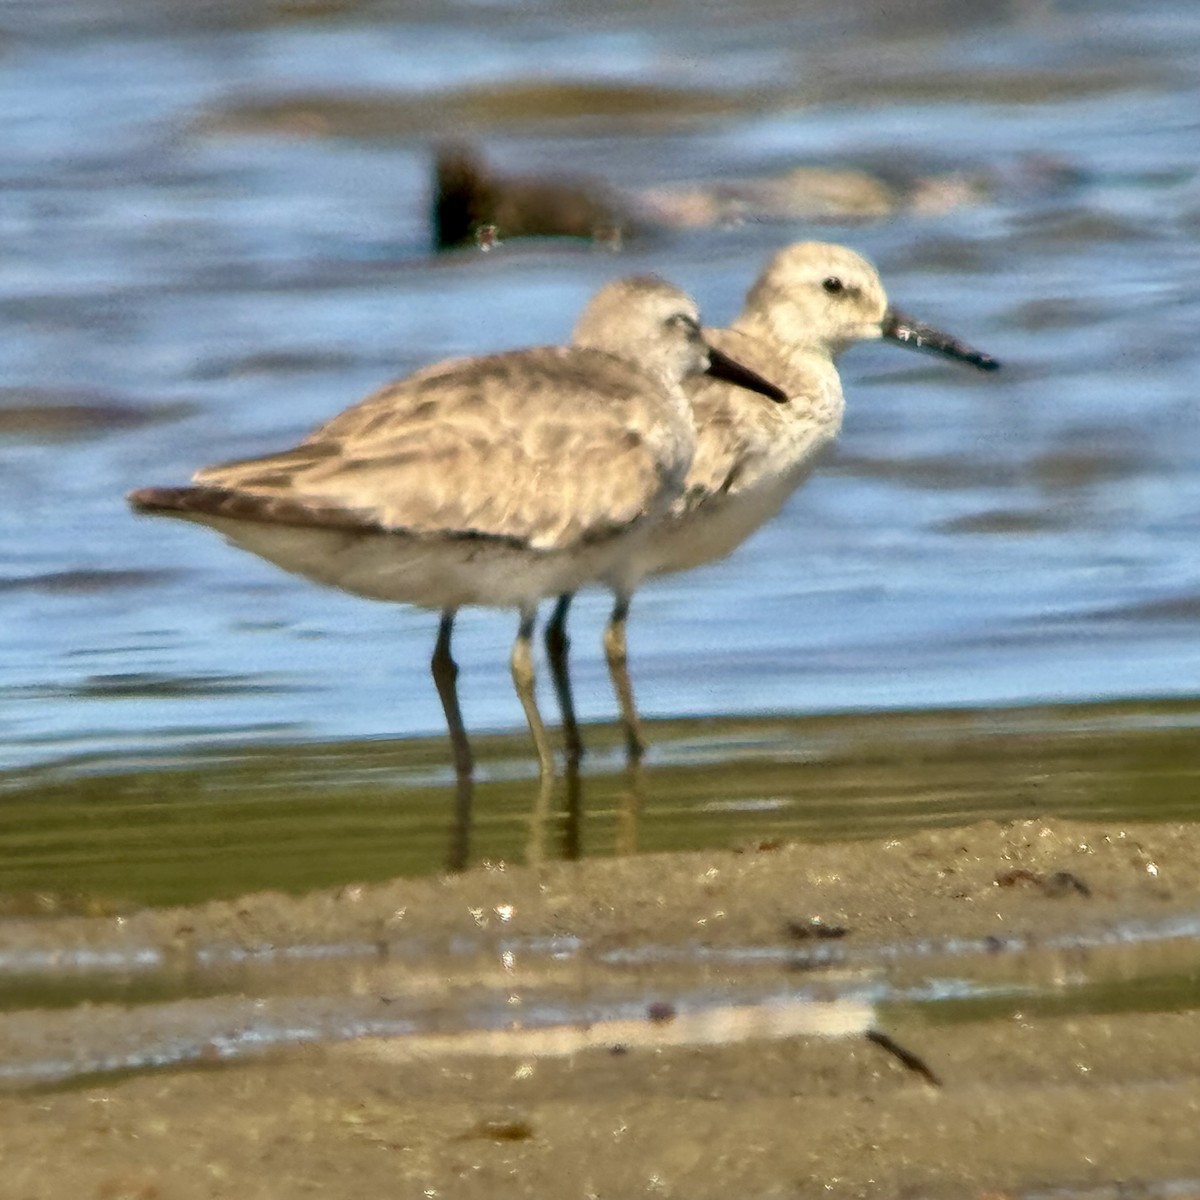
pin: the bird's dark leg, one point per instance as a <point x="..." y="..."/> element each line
<point x="558" y="648"/>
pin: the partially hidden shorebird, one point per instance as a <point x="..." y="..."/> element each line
<point x="495" y="481"/>
<point x="812" y="301"/>
<point x="470" y="198"/>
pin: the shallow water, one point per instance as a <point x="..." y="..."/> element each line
<point x="154" y="1006"/>
<point x="181" y="284"/>
<point x="104" y="834"/>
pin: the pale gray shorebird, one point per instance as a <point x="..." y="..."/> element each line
<point x="494" y="481"/>
<point x="812" y="301"/>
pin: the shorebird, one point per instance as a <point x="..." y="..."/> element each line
<point x="469" y="198"/>
<point x="812" y="301"/>
<point x="495" y="481"/>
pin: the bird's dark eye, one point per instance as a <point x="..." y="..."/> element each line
<point x="684" y="321"/>
<point x="833" y="285"/>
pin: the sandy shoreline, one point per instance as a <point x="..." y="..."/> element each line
<point x="1031" y="1100"/>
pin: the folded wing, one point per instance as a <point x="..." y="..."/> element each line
<point x="546" y="447"/>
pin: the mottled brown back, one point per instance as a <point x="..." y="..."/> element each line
<point x="547" y="447"/>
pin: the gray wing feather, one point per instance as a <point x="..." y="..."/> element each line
<point x="547" y="447"/>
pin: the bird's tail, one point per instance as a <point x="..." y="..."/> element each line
<point x="201" y="501"/>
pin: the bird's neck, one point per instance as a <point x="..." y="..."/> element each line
<point x="787" y="335"/>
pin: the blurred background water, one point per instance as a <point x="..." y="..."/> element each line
<point x="214" y="233"/>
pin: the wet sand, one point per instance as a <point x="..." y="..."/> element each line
<point x="1033" y="1097"/>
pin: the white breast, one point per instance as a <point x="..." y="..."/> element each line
<point x="749" y="460"/>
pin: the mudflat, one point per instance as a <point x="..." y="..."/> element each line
<point x="1046" y="972"/>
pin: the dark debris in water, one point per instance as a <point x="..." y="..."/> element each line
<point x="85" y="582"/>
<point x="1083" y="226"/>
<point x="138" y="685"/>
<point x="274" y="363"/>
<point x="50" y="415"/>
<point x="943" y="472"/>
<point x="1058" y="883"/>
<point x="1172" y="608"/>
<point x="1008" y="522"/>
<point x="815" y="928"/>
<point x="913" y="1062"/>
<point x="499" y="1129"/>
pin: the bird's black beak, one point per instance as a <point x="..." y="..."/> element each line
<point x="898" y="327"/>
<point x="721" y="366"/>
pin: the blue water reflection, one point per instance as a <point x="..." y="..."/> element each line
<point x="974" y="541"/>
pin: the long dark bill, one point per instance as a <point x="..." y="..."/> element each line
<point x="721" y="366"/>
<point x="899" y="327"/>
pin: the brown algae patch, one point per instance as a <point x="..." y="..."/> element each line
<point x="515" y="105"/>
